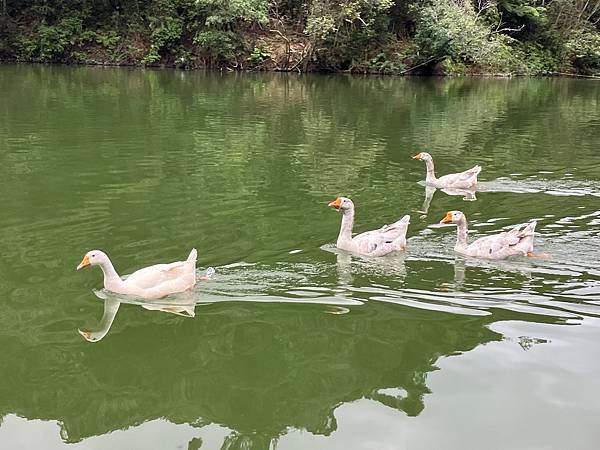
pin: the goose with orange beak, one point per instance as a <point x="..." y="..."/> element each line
<point x="462" y="180"/>
<point x="387" y="239"/>
<point x="154" y="281"/>
<point x="518" y="241"/>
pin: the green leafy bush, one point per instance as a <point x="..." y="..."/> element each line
<point x="219" y="12"/>
<point x="344" y="34"/>
<point x="55" y="42"/>
<point x="166" y="31"/>
<point x="218" y="46"/>
<point x="166" y="36"/>
<point x="328" y="18"/>
<point x="583" y="51"/>
<point x="527" y="10"/>
<point x="259" y="55"/>
<point x="383" y="64"/>
<point x="108" y="40"/>
<point x="531" y="58"/>
<point x="447" y="29"/>
<point x="320" y="26"/>
<point x="151" y="57"/>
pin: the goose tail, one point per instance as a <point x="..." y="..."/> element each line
<point x="193" y="256"/>
<point x="529" y="229"/>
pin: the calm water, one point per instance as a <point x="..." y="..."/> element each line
<point x="294" y="345"/>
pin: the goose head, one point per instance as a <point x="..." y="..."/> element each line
<point x="93" y="258"/>
<point x="423" y="156"/>
<point x="341" y="204"/>
<point x="453" y="217"/>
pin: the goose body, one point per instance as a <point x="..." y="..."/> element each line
<point x="462" y="180"/>
<point x="379" y="242"/>
<point x="516" y="242"/>
<point x="154" y="281"/>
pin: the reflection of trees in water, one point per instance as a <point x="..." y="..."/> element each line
<point x="255" y="369"/>
<point x="344" y="123"/>
<point x="188" y="143"/>
<point x="315" y="117"/>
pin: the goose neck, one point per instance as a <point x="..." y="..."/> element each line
<point x="111" y="277"/>
<point x="430" y="171"/>
<point x="461" y="233"/>
<point x="347" y="224"/>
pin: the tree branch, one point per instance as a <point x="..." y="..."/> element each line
<point x="423" y="63"/>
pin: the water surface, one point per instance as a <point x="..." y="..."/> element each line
<point x="293" y="344"/>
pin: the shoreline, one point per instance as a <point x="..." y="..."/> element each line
<point x="473" y="74"/>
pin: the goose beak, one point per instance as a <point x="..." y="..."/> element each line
<point x="417" y="156"/>
<point x="84" y="262"/>
<point x="89" y="336"/>
<point x="86" y="334"/>
<point x="336" y="203"/>
<point x="447" y="218"/>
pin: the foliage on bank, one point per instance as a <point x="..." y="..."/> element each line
<point x="360" y="36"/>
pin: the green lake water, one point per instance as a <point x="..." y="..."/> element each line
<point x="293" y="344"/>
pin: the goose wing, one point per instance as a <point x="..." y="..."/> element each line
<point x="513" y="242"/>
<point x="462" y="179"/>
<point x="370" y="241"/>
<point x="159" y="274"/>
<point x="469" y="174"/>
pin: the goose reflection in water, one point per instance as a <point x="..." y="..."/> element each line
<point x="491" y="268"/>
<point x="459" y="271"/>
<point x="111" y="308"/>
<point x="349" y="264"/>
<point x="185" y="306"/>
<point x="467" y="195"/>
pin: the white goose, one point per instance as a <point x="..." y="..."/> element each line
<point x="379" y="242"/>
<point x="515" y="242"/>
<point x="155" y="281"/>
<point x="462" y="180"/>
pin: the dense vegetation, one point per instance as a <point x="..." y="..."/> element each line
<point x="375" y="36"/>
